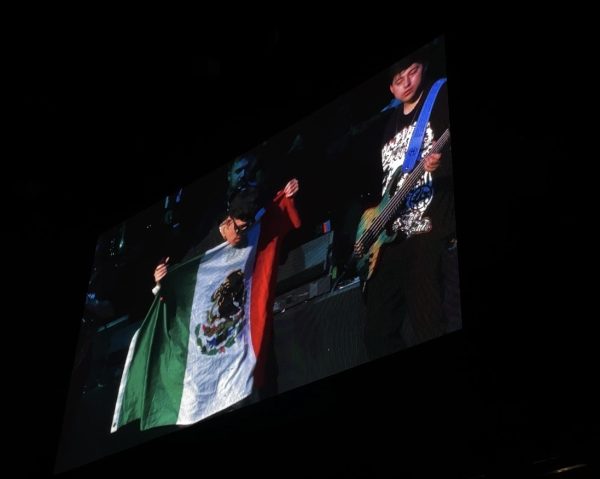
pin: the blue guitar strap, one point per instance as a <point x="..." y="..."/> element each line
<point x="416" y="140"/>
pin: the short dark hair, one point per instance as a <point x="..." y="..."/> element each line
<point x="244" y="205"/>
<point x="425" y="56"/>
<point x="402" y="65"/>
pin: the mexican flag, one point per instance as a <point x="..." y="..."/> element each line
<point x="200" y="347"/>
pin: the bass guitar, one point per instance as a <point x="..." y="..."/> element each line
<point x="373" y="232"/>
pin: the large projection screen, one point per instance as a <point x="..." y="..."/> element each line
<point x="330" y="245"/>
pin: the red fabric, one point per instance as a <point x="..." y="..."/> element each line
<point x="279" y="219"/>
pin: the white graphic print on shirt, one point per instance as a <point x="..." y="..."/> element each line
<point x="410" y="220"/>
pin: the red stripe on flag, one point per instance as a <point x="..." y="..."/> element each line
<point x="280" y="217"/>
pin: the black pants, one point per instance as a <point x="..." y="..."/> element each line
<point x="407" y="299"/>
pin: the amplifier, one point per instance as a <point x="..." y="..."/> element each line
<point x="320" y="337"/>
<point x="302" y="293"/>
<point x="305" y="264"/>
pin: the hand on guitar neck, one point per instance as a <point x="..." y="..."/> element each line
<point x="431" y="162"/>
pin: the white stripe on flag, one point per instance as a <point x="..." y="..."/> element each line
<point x="215" y="382"/>
<point x="119" y="405"/>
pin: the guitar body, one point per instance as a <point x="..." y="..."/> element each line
<point x="367" y="262"/>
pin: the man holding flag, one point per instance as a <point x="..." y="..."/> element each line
<point x="202" y="346"/>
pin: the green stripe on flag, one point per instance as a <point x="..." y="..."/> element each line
<point x="155" y="378"/>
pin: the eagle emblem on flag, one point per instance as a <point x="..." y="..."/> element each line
<point x="225" y="318"/>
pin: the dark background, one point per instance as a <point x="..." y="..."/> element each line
<point x="107" y="124"/>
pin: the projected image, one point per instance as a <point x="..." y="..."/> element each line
<point x="330" y="245"/>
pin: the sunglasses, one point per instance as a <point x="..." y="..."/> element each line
<point x="239" y="228"/>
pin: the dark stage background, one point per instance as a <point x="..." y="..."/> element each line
<point x="106" y="125"/>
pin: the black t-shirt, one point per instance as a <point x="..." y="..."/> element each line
<point x="429" y="206"/>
